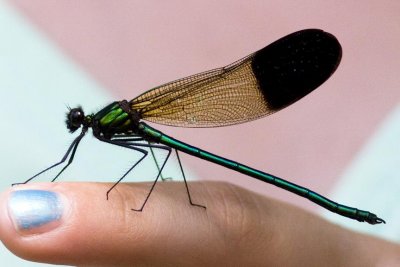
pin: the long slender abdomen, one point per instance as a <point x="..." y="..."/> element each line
<point x="349" y="212"/>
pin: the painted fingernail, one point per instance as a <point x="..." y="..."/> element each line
<point x="35" y="211"/>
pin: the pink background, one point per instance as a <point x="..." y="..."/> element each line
<point x="131" y="46"/>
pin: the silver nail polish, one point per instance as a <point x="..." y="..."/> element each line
<point x="34" y="208"/>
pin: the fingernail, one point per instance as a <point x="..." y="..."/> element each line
<point x="35" y="211"/>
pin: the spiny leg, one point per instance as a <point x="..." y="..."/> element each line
<point x="124" y="143"/>
<point x="126" y="173"/>
<point x="186" y="185"/>
<point x="135" y="146"/>
<point x="158" y="166"/>
<point x="158" y="175"/>
<point x="71" y="158"/>
<point x="127" y="142"/>
<point x="72" y="148"/>
<point x="123" y="137"/>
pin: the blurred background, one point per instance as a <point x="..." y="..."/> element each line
<point x="341" y="141"/>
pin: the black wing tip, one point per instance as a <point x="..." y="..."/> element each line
<point x="295" y="65"/>
<point x="322" y="42"/>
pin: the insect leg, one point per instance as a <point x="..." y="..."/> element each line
<point x="126" y="144"/>
<point x="158" y="166"/>
<point x="186" y="185"/>
<point x="71" y="158"/>
<point x="72" y="148"/>
<point x="123" y="137"/>
<point x="159" y="172"/>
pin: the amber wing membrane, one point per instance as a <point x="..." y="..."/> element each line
<point x="218" y="97"/>
<point x="255" y="86"/>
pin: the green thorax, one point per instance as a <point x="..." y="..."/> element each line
<point x="113" y="120"/>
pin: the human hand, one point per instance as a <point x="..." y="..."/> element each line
<point x="74" y="224"/>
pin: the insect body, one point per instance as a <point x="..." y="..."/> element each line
<point x="255" y="86"/>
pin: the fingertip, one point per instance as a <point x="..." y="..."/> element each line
<point x="31" y="217"/>
<point x="74" y="223"/>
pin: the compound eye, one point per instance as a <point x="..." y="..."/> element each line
<point x="75" y="118"/>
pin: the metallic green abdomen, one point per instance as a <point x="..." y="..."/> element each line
<point x="113" y="120"/>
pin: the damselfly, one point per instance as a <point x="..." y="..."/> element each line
<point x="255" y="86"/>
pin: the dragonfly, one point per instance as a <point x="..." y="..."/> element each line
<point x="255" y="86"/>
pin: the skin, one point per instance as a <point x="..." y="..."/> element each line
<point x="238" y="228"/>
